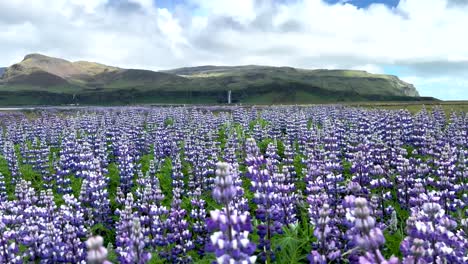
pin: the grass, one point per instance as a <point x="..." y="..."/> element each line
<point x="51" y="89"/>
<point x="205" y="75"/>
<point x="264" y="94"/>
<point x="114" y="182"/>
<point x="93" y="67"/>
<point x="414" y="107"/>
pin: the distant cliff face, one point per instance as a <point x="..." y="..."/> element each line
<point x="360" y="82"/>
<point x="406" y="88"/>
<point x="38" y="72"/>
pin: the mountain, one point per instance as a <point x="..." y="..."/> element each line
<point x="2" y="70"/>
<point x="40" y="79"/>
<point x="40" y="71"/>
<point x="361" y="82"/>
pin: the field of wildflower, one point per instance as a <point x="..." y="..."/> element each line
<point x="204" y="184"/>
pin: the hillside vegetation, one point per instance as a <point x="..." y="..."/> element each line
<point x="40" y="79"/>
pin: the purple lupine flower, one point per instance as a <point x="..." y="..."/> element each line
<point x="84" y="160"/>
<point x="12" y="160"/>
<point x="100" y="151"/>
<point x="327" y="248"/>
<point x="272" y="156"/>
<point x="32" y="235"/>
<point x="225" y="189"/>
<point x="9" y="237"/>
<point x="441" y="242"/>
<point x="177" y="175"/>
<point x="135" y="251"/>
<point x="240" y="202"/>
<point x="124" y="225"/>
<point x="405" y="180"/>
<point x="9" y="250"/>
<point x="267" y="212"/>
<point x="288" y="164"/>
<point x="62" y="176"/>
<point x="230" y="228"/>
<point x="285" y="197"/>
<point x="360" y="169"/>
<point x="152" y="213"/>
<point x="69" y="247"/>
<point x="368" y="237"/>
<point x="130" y="241"/>
<point x="42" y="164"/>
<point x="383" y="187"/>
<point x="94" y="195"/>
<point x="198" y="216"/>
<point x="97" y="254"/>
<point x="126" y="167"/>
<point x="178" y="234"/>
<point x="3" y="192"/>
<point x="157" y="225"/>
<point x="119" y="197"/>
<point x="25" y="195"/>
<point x="446" y="183"/>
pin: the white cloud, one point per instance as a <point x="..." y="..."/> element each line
<point x="241" y="10"/>
<point x="427" y="38"/>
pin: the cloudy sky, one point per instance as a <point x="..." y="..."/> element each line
<point x="424" y="42"/>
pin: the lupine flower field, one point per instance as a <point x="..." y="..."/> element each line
<point x="290" y="184"/>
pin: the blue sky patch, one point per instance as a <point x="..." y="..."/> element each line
<point x="366" y="3"/>
<point x="395" y="70"/>
<point x="169" y="4"/>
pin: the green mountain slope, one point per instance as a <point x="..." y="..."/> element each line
<point x="360" y="82"/>
<point x="40" y="79"/>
